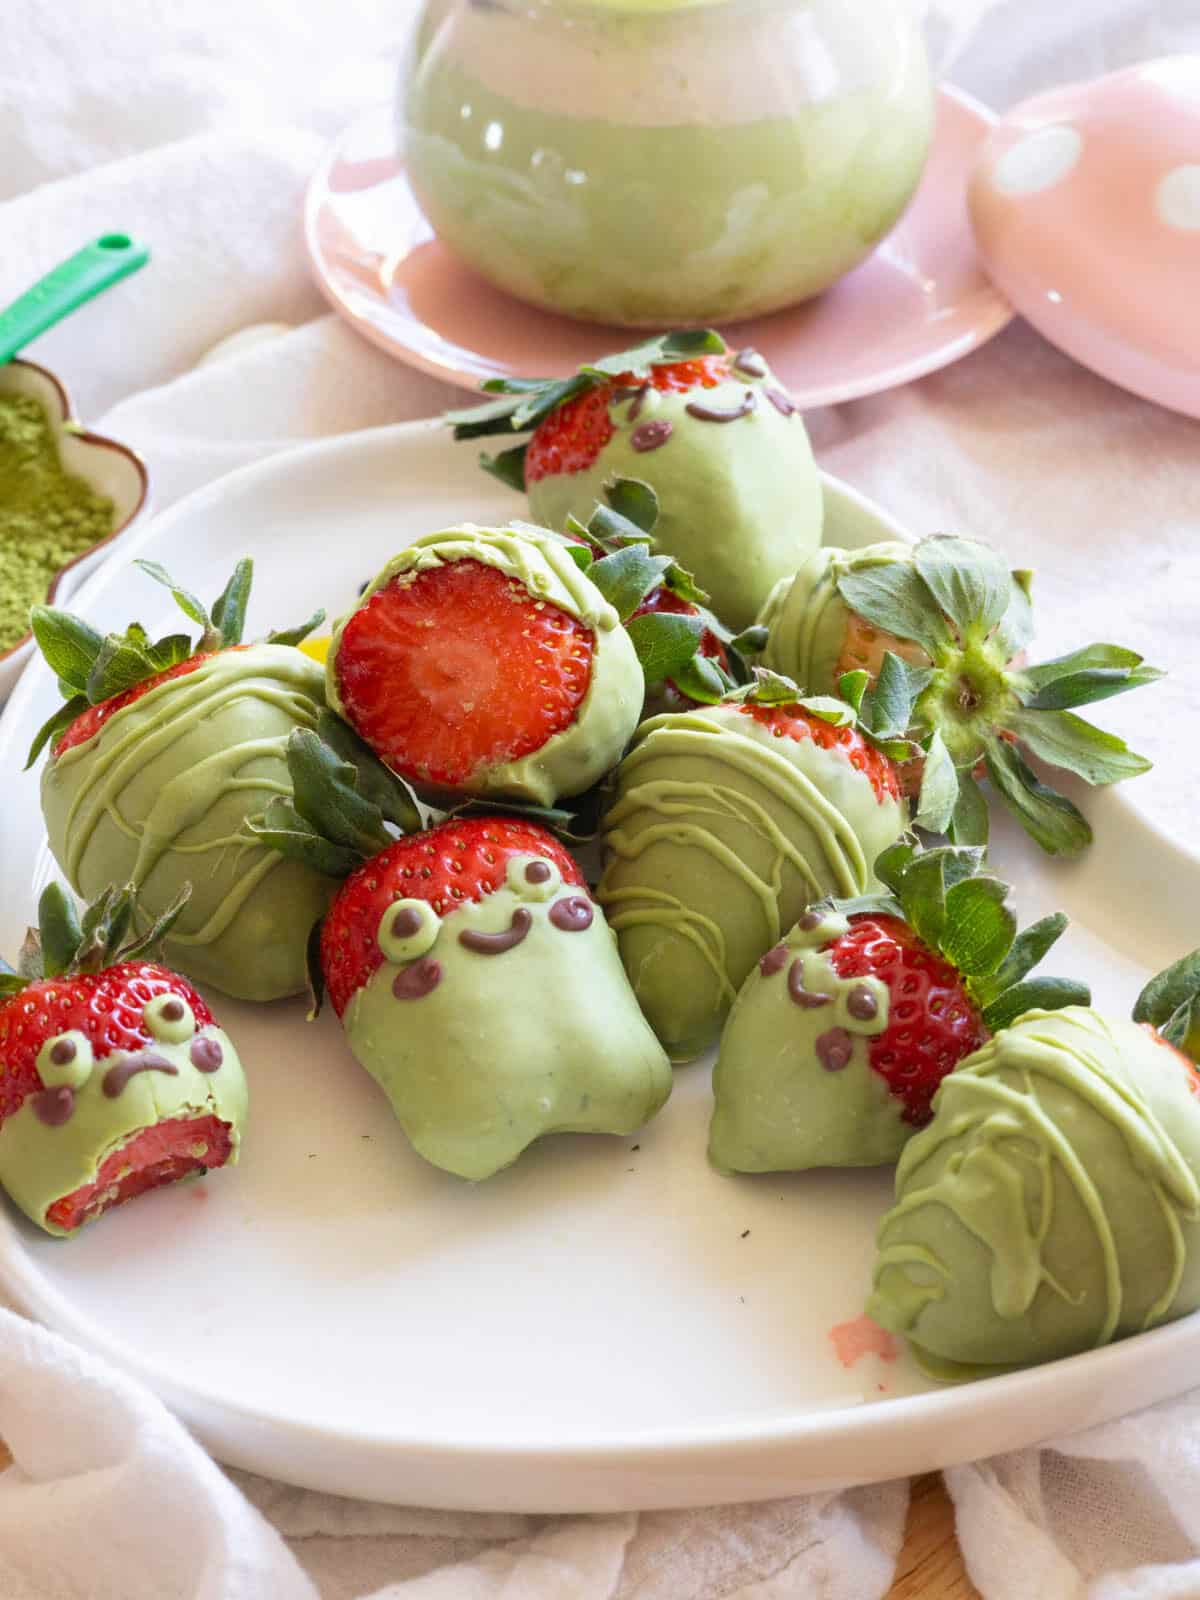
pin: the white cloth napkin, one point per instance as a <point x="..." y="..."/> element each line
<point x="197" y="128"/>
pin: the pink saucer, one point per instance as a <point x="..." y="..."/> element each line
<point x="920" y="302"/>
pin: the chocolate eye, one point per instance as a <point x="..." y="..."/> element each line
<point x="407" y="929"/>
<point x="533" y="877"/>
<point x="66" y="1060"/>
<point x="169" y="1018"/>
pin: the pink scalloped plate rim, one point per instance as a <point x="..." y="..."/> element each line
<point x="919" y="302"/>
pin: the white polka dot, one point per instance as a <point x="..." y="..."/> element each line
<point x="1177" y="199"/>
<point x="1038" y="161"/>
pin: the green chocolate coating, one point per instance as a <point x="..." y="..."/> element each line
<point x="778" y="1108"/>
<point x="809" y="622"/>
<point x="579" y="756"/>
<point x="740" y="502"/>
<point x="720" y="836"/>
<point x="551" y="156"/>
<point x="543" y="1038"/>
<point x="1053" y="1203"/>
<point x="40" y="1164"/>
<point x="161" y="796"/>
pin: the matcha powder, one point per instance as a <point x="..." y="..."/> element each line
<point x="47" y="516"/>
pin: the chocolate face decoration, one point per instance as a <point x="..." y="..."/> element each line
<point x="66" y="1062"/>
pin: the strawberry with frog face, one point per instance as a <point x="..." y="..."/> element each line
<point x="709" y="428"/>
<point x="475" y="977"/>
<point x="160" y="759"/>
<point x="840" y="1038"/>
<point x="114" y="1078"/>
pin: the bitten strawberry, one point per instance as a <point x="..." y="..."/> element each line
<point x="484" y="659"/>
<point x="474" y="975"/>
<point x="114" y="1078"/>
<point x="162" y="754"/>
<point x="838" y="1042"/>
<point x="951" y="607"/>
<point x="709" y="428"/>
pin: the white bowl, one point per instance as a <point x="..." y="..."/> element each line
<point x="112" y="469"/>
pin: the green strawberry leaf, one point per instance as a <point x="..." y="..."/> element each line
<point x="828" y="709"/>
<point x="121" y="663"/>
<point x="1040" y="994"/>
<point x="634" y="501"/>
<point x="300" y="632"/>
<point x="184" y="599"/>
<point x="69" y="645"/>
<point x="702" y="680"/>
<point x="1028" y="949"/>
<point x="120" y="920"/>
<point x="56" y="725"/>
<point x="767" y="688"/>
<point x="969" y="822"/>
<point x="1016" y="626"/>
<point x="664" y="642"/>
<point x="1049" y="818"/>
<point x="872" y="905"/>
<point x="229" y="612"/>
<point x="939" y="788"/>
<point x="893" y="596"/>
<point x="537" y="405"/>
<point x="922" y="893"/>
<point x="968" y="580"/>
<point x="979" y="928"/>
<point x="1065" y="740"/>
<point x="508" y="466"/>
<point x="29" y="957"/>
<point x="892" y="863"/>
<point x="1097" y="672"/>
<point x="887" y="705"/>
<point x="325" y="794"/>
<point x="576" y="825"/>
<point x="681" y="345"/>
<point x="58" y="925"/>
<point x="1170" y="1002"/>
<point x="285" y="830"/>
<point x="493" y="416"/>
<point x="752" y="641"/>
<point x="160" y="927"/>
<point x="627" y="576"/>
<point x="169" y="651"/>
<point x="683" y="585"/>
<point x="376" y="783"/>
<point x="12" y="983"/>
<point x="852" y="686"/>
<point x="581" y="556"/>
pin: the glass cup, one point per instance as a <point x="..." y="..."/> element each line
<point x="664" y="162"/>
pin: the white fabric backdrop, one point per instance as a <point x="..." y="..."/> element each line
<point x="196" y="127"/>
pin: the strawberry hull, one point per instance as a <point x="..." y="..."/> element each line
<point x="162" y="794"/>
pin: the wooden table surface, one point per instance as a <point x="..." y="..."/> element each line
<point x="930" y="1567"/>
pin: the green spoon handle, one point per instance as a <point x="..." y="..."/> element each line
<point x="103" y="262"/>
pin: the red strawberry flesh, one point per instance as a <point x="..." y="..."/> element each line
<point x="153" y="1157"/>
<point x="932" y="1024"/>
<point x="572" y="437"/>
<point x="792" y="722"/>
<point x="446" y="866"/>
<point x="106" y="1007"/>
<point x="449" y="672"/>
<point x="88" y="723"/>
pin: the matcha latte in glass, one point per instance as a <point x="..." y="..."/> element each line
<point x="646" y="162"/>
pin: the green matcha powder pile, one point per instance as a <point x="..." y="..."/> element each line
<point x="48" y="516"/>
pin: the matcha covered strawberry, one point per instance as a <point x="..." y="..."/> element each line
<point x="114" y="1078"/>
<point x="163" y="755"/>
<point x="839" y="1039"/>
<point x="709" y="428"/>
<point x="951" y="607"/>
<point x="474" y="975"/>
<point x="1053" y="1203"/>
<point x="728" y="822"/>
<point x="484" y="659"/>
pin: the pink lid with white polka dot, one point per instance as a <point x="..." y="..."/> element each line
<point x="1086" y="208"/>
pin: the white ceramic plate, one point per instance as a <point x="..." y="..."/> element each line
<point x="607" y="1324"/>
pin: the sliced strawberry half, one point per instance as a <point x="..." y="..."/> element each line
<point x="448" y="672"/>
